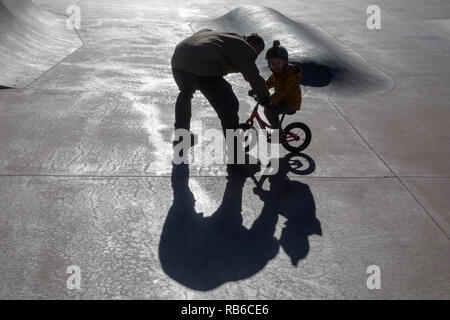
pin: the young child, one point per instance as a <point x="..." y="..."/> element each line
<point x="286" y="81"/>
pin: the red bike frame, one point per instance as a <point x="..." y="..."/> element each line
<point x="284" y="137"/>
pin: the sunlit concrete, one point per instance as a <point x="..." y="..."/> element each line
<point x="112" y="229"/>
<point x="86" y="178"/>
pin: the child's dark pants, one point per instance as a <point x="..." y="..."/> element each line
<point x="273" y="112"/>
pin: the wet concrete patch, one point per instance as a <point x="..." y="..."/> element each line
<point x="78" y="133"/>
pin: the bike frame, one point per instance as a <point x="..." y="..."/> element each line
<point x="284" y="137"/>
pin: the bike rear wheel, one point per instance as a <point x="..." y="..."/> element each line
<point x="296" y="137"/>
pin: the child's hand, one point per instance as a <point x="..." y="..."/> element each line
<point x="268" y="105"/>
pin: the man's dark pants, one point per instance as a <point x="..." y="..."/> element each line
<point x="219" y="94"/>
<point x="215" y="89"/>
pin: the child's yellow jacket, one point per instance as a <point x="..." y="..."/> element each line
<point x="287" y="87"/>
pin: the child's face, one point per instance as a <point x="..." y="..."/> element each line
<point x="277" y="64"/>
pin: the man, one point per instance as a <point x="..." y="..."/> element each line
<point x="201" y="61"/>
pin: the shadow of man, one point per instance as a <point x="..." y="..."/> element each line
<point x="202" y="253"/>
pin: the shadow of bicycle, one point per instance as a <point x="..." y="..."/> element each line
<point x="204" y="252"/>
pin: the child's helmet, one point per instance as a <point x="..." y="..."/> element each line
<point x="277" y="51"/>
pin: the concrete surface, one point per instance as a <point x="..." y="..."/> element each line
<point x="32" y="41"/>
<point x="86" y="178"/>
<point x="349" y="74"/>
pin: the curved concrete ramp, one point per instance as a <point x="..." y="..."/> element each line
<point x="329" y="67"/>
<point x="32" y="41"/>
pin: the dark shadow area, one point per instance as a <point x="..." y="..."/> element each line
<point x="298" y="163"/>
<point x="315" y="74"/>
<point x="204" y="252"/>
<point x="294" y="201"/>
<point x="3" y="87"/>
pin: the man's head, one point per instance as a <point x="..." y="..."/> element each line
<point x="256" y="42"/>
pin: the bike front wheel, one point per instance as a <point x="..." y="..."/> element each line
<point x="296" y="137"/>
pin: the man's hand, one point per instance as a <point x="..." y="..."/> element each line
<point x="252" y="94"/>
<point x="265" y="103"/>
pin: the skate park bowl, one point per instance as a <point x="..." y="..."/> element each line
<point x="32" y="41"/>
<point x="329" y="67"/>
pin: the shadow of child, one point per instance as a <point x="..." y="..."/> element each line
<point x="294" y="201"/>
